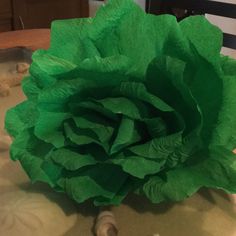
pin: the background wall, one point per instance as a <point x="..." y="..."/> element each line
<point x="141" y="3"/>
<point x="93" y="5"/>
<point x="228" y="25"/>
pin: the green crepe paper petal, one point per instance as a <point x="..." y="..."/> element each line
<point x="156" y="127"/>
<point x="28" y="150"/>
<point x="159" y="148"/>
<point x="207" y="101"/>
<point x="126" y="135"/>
<point x="226" y="121"/>
<point x="122" y="106"/>
<point x="77" y="33"/>
<point x="81" y="137"/>
<point x="22" y="117"/>
<point x="92" y="106"/>
<point x="171" y="77"/>
<point x="228" y="65"/>
<point x="51" y="64"/>
<point x="128" y="102"/>
<point x="217" y="171"/>
<point x="48" y="127"/>
<point x="53" y="172"/>
<point x="30" y="87"/>
<point x="43" y="80"/>
<point x="75" y="185"/>
<point x="103" y="180"/>
<point x="130" y="184"/>
<point x="138" y="91"/>
<point x="138" y="166"/>
<point x="71" y="160"/>
<point x="96" y="124"/>
<point x="202" y="42"/>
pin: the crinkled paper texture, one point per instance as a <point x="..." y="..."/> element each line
<point x="129" y="102"/>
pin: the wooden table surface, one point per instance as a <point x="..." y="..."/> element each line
<point x="33" y="39"/>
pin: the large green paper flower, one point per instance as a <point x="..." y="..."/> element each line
<point x="129" y="102"/>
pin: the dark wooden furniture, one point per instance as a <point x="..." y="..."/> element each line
<point x="5" y="15"/>
<point x="30" y="14"/>
<point x="193" y="7"/>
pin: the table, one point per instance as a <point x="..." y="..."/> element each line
<point x="33" y="39"/>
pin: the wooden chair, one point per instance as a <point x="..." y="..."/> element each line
<point x="195" y="7"/>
